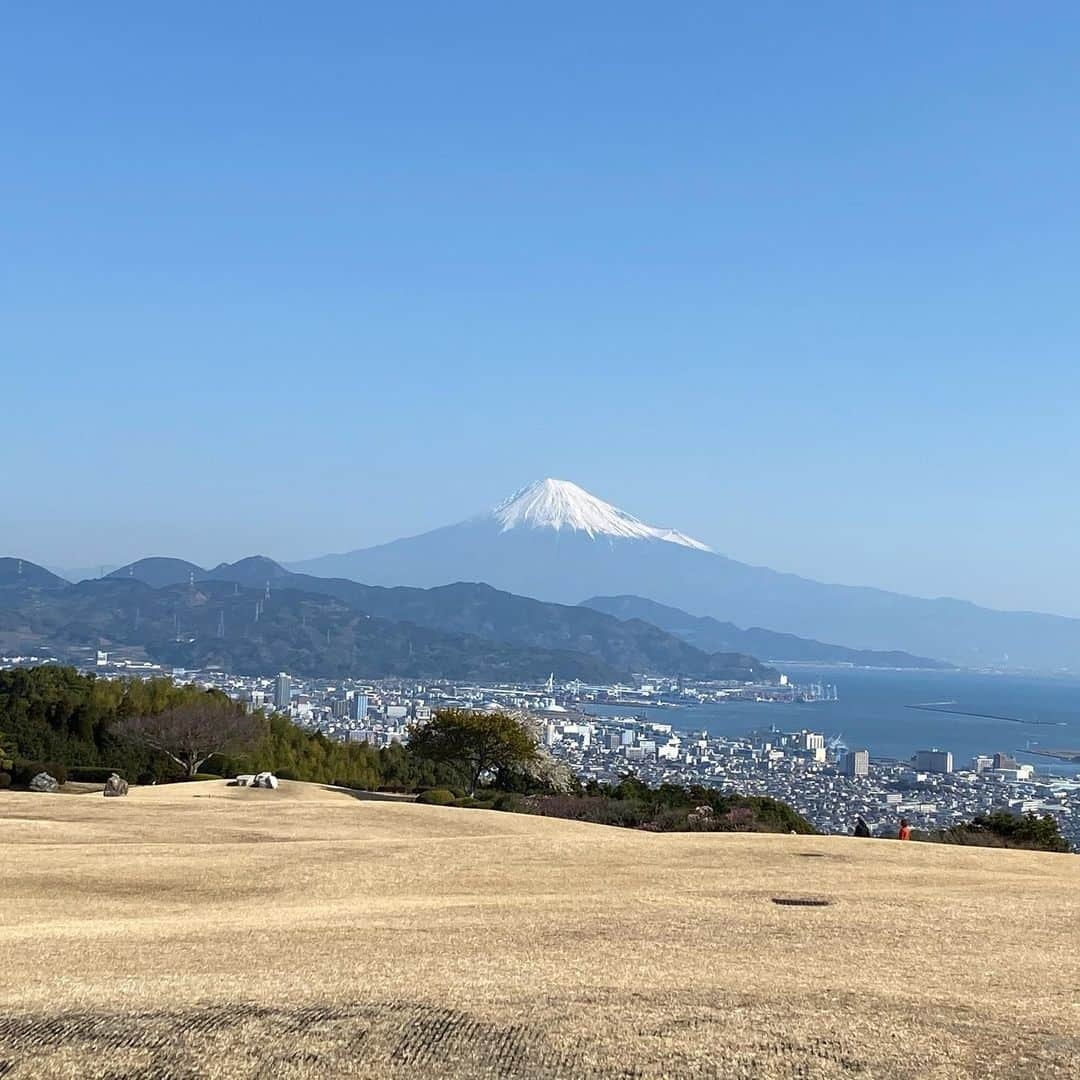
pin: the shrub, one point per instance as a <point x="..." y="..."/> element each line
<point x="222" y="765"/>
<point x="5" y="780"/>
<point x="436" y="797"/>
<point x="353" y="784"/>
<point x="91" y="774"/>
<point x="669" y="808"/>
<point x="627" y="813"/>
<point x="25" y="771"/>
<point x="198" y="777"/>
<point x="677" y="821"/>
<point x="286" y="774"/>
<point x="1002" y="829"/>
<point x="739" y="819"/>
<point x="145" y="778"/>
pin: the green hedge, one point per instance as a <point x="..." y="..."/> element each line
<point x="24" y="771"/>
<point x="5" y="780"/>
<point x="91" y="774"/>
<point x="436" y="797"/>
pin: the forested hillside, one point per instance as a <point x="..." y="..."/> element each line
<point x="242" y="629"/>
<point x="56" y="715"/>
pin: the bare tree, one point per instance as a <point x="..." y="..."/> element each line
<point x="191" y="732"/>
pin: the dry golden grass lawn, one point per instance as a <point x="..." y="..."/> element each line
<point x="201" y="930"/>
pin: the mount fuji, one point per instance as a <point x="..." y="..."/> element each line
<point x="551" y="540"/>
<point x="555" y="541"/>
<point x="558" y="505"/>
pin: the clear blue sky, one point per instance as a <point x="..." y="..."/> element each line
<point x="798" y="279"/>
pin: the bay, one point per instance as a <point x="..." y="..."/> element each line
<point x="873" y="713"/>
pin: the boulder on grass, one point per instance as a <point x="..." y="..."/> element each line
<point x="115" y="786"/>
<point x="44" y="782"/>
<point x="266" y="780"/>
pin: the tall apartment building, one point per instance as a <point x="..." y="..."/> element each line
<point x="857" y="763"/>
<point x="939" y="761"/>
<point x="282" y="692"/>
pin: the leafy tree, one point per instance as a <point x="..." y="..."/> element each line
<point x="190" y="732"/>
<point x="1002" y="829"/>
<point x="56" y="714"/>
<point x="479" y="743"/>
<point x="7" y="752"/>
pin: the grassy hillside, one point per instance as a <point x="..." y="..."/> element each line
<point x="305" y="933"/>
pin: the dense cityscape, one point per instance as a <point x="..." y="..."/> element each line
<point x="831" y="785"/>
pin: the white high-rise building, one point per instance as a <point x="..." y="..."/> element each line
<point x="939" y="761"/>
<point x="857" y="763"/>
<point x="282" y="692"/>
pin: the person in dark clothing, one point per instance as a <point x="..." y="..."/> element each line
<point x="861" y="828"/>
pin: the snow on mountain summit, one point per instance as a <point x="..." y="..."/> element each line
<point x="559" y="504"/>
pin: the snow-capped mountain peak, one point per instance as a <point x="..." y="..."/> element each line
<point x="559" y="504"/>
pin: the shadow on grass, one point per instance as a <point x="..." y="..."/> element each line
<point x="371" y="796"/>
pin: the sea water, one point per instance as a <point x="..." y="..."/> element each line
<point x="873" y="713"/>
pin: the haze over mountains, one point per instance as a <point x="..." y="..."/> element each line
<point x="712" y="635"/>
<point x="555" y="541"/>
<point x="477" y="608"/>
<point x="254" y="617"/>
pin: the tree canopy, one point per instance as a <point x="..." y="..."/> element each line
<point x="478" y="743"/>
<point x="1002" y="829"/>
<point x="55" y="714"/>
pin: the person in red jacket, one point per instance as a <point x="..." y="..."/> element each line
<point x="905" y="830"/>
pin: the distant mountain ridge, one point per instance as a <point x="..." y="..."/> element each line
<point x="225" y="625"/>
<point x="255" y="617"/>
<point x="159" y="572"/>
<point x="23" y="574"/>
<point x="554" y="542"/>
<point x="712" y="635"/>
<point x="477" y="608"/>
